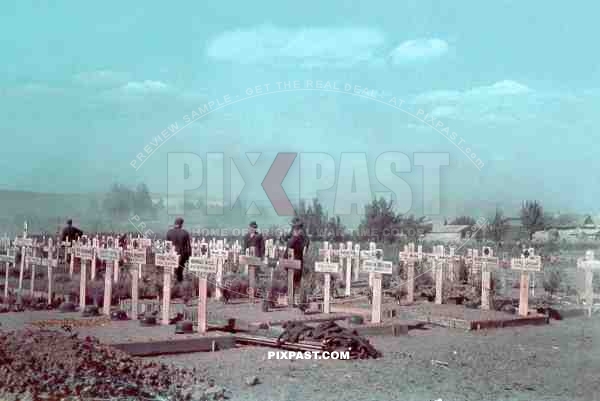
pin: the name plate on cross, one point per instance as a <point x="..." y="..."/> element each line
<point x="108" y="254"/>
<point x="530" y="264"/>
<point x="135" y="256"/>
<point x="377" y="266"/>
<point x="251" y="260"/>
<point x="7" y="258"/>
<point x="33" y="260"/>
<point x="292" y="264"/>
<point x="167" y="260"/>
<point x="325" y="267"/>
<point x="200" y="264"/>
<point x="28" y="242"/>
<point x="86" y="253"/>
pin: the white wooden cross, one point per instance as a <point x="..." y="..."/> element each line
<point x="25" y="244"/>
<point x="326" y="267"/>
<point x="372" y="253"/>
<point x="377" y="267"/>
<point x="111" y="256"/>
<point x="410" y="257"/>
<point x="135" y="257"/>
<point x="202" y="266"/>
<point x="50" y="263"/>
<point x="85" y="252"/>
<point x="439" y="258"/>
<point x="237" y="250"/>
<point x="589" y="264"/>
<point x="8" y="259"/>
<point x="290" y="264"/>
<point x="345" y="252"/>
<point x="356" y="259"/>
<point x="220" y="254"/>
<point x="169" y="261"/>
<point x="488" y="262"/>
<point x="33" y="261"/>
<point x="526" y="264"/>
<point x="251" y="261"/>
<point x="453" y="265"/>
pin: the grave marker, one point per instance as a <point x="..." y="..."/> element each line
<point x="527" y="263"/>
<point x="24" y="243"/>
<point x="8" y="259"/>
<point x="326" y="267"/>
<point x="345" y="253"/>
<point x="220" y="255"/>
<point x="487" y="261"/>
<point x="108" y="255"/>
<point x="169" y="261"/>
<point x="377" y="267"/>
<point x="202" y="266"/>
<point x="290" y="264"/>
<point x="589" y="264"/>
<point x="135" y="258"/>
<point x="410" y="257"/>
<point x="252" y="262"/>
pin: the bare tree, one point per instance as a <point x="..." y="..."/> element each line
<point x="532" y="217"/>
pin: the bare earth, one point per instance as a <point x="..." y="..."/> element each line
<point x="555" y="362"/>
<point x="559" y="361"/>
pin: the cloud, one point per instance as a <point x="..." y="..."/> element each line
<point x="146" y="86"/>
<point x="315" y="47"/>
<point x="418" y="50"/>
<point x="503" y="101"/>
<point x="101" y="78"/>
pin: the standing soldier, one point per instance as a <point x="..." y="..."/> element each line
<point x="254" y="239"/>
<point x="182" y="243"/>
<point x="298" y="244"/>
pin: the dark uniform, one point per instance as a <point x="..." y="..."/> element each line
<point x="257" y="241"/>
<point x="73" y="233"/>
<point x="298" y="244"/>
<point x="182" y="243"/>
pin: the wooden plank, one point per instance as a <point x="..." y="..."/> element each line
<point x="184" y="346"/>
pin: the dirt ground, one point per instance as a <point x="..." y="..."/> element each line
<point x="555" y="362"/>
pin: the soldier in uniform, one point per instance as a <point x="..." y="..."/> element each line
<point x="254" y="239"/>
<point x="180" y="239"/>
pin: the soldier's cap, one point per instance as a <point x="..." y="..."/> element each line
<point x="253" y="224"/>
<point x="69" y="221"/>
<point x="179" y="221"/>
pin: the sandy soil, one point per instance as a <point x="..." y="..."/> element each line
<point x="555" y="362"/>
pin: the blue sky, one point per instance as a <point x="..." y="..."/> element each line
<point x="84" y="87"/>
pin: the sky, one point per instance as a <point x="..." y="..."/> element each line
<point x="84" y="88"/>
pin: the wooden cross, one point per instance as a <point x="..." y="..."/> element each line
<point x="589" y="264"/>
<point x="526" y="264"/>
<point x="251" y="261"/>
<point x="108" y="255"/>
<point x="326" y="267"/>
<point x="372" y="253"/>
<point x="488" y="262"/>
<point x="439" y="258"/>
<point x="32" y="261"/>
<point x="135" y="257"/>
<point x="85" y="252"/>
<point x="220" y="254"/>
<point x="345" y="252"/>
<point x="290" y="264"/>
<point x="50" y="263"/>
<point x="24" y="243"/>
<point x="237" y="250"/>
<point x="202" y="266"/>
<point x="169" y="261"/>
<point x="356" y="259"/>
<point x="377" y="267"/>
<point x="8" y="259"/>
<point x="410" y="257"/>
